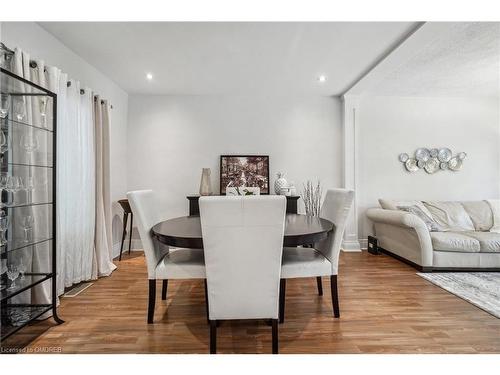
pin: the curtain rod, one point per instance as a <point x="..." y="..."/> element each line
<point x="82" y="91"/>
<point x="33" y="65"/>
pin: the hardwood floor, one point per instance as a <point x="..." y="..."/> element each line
<point x="385" y="308"/>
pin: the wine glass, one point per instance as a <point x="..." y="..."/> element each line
<point x="14" y="184"/>
<point x="19" y="109"/>
<point x="42" y="105"/>
<point x="3" y="186"/>
<point x="29" y="142"/>
<point x="4" y="225"/>
<point x="12" y="274"/>
<point x="3" y="269"/>
<point x="4" y="105"/>
<point x="27" y="224"/>
<point x="4" y="142"/>
<point x="22" y="268"/>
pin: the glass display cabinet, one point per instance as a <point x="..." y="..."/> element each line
<point x="28" y="203"/>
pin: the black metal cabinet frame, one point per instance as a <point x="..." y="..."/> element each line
<point x="13" y="86"/>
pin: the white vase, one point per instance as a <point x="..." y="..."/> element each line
<point x="205" y="183"/>
<point x="280" y="183"/>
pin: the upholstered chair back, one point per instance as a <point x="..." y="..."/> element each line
<point x="146" y="212"/>
<point x="243" y="244"/>
<point x="336" y="208"/>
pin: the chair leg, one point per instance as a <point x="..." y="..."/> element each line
<point x="320" y="285"/>
<point x="151" y="304"/>
<point x="130" y="236"/>
<point x="335" y="296"/>
<point x="164" y="287"/>
<point x="282" y="300"/>
<point x="125" y="217"/>
<point x="275" y="336"/>
<point x="213" y="336"/>
<point x="206" y="299"/>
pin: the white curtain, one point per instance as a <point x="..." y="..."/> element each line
<point x="83" y="205"/>
<point x="103" y="234"/>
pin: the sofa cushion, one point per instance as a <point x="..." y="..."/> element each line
<point x="387" y="204"/>
<point x="480" y="214"/>
<point x="453" y="241"/>
<point x="450" y="216"/>
<point x="489" y="242"/>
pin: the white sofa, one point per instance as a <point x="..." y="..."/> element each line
<point x="440" y="236"/>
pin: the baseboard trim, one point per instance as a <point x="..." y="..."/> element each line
<point x="136" y="246"/>
<point x="436" y="269"/>
<point x="351" y="246"/>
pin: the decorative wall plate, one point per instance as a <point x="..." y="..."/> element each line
<point x="432" y="165"/>
<point x="455" y="164"/>
<point x="421" y="163"/>
<point x="403" y="157"/>
<point x="443" y="166"/>
<point x="434" y="152"/>
<point x="422" y="154"/>
<point x="411" y="165"/>
<point x="444" y="155"/>
<point x="462" y="155"/>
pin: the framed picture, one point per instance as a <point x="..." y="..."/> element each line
<point x="244" y="171"/>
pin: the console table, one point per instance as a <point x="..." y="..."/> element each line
<point x="194" y="208"/>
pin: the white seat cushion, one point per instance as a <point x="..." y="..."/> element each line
<point x="453" y="241"/>
<point x="182" y="264"/>
<point x="489" y="242"/>
<point x="304" y="262"/>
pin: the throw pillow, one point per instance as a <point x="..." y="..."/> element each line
<point x="432" y="226"/>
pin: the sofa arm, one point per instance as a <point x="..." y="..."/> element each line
<point x="421" y="251"/>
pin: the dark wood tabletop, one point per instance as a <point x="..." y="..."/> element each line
<point x="185" y="231"/>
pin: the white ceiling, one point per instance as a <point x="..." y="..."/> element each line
<point x="462" y="60"/>
<point x="231" y="58"/>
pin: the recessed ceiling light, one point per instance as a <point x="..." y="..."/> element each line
<point x="322" y="78"/>
<point x="149" y="76"/>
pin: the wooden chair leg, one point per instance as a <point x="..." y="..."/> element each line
<point x="320" y="285"/>
<point x="275" y="336"/>
<point x="213" y="336"/>
<point x="151" y="303"/>
<point x="164" y="287"/>
<point x="282" y="300"/>
<point x="130" y="236"/>
<point x="335" y="296"/>
<point x="125" y="217"/>
<point x="206" y="299"/>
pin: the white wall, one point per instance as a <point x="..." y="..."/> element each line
<point x="388" y="126"/>
<point x="171" y="138"/>
<point x="33" y="39"/>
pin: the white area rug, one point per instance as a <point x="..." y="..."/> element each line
<point x="482" y="289"/>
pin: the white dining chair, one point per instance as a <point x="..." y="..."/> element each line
<point x="323" y="258"/>
<point x="243" y="244"/>
<point x="162" y="263"/>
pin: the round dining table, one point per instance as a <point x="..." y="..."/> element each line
<point x="185" y="231"/>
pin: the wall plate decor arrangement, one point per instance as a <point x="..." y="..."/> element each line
<point x="432" y="160"/>
<point x="27" y="204"/>
<point x="244" y="171"/>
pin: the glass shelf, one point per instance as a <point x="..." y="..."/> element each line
<point x="15" y="317"/>
<point x="29" y="281"/>
<point x="19" y="244"/>
<point x="14" y="85"/>
<point x="6" y="122"/>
